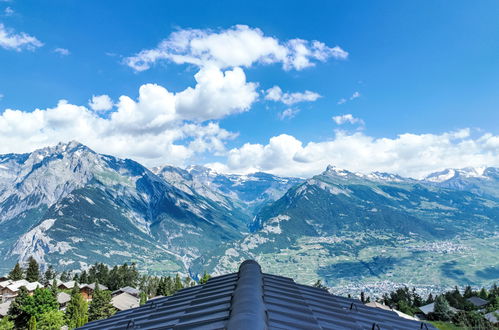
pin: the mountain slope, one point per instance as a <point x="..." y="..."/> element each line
<point x="352" y="229"/>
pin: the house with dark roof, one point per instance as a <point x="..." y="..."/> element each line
<point x="252" y="300"/>
<point x="127" y="289"/>
<point x="87" y="290"/>
<point x="477" y="301"/>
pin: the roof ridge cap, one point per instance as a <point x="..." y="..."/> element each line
<point x="248" y="310"/>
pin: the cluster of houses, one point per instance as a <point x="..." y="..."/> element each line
<point x="122" y="299"/>
<point x="478" y="302"/>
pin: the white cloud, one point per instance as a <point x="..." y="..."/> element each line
<point x="275" y="94"/>
<point x="348" y="118"/>
<point x="238" y="46"/>
<point x="17" y="41"/>
<point x="288" y="114"/>
<point x="62" y="51"/>
<point x="216" y="95"/>
<point x="354" y="96"/>
<point x="8" y="11"/>
<point x="413" y="155"/>
<point x="101" y="103"/>
<point x="159" y="127"/>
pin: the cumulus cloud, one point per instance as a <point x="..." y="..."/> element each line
<point x="238" y="46"/>
<point x="17" y="41"/>
<point x="348" y="118"/>
<point x="413" y="155"/>
<point x="152" y="129"/>
<point x="288" y="114"/>
<point x="275" y="94"/>
<point x="62" y="51"/>
<point x="100" y="103"/>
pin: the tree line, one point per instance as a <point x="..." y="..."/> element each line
<point x="41" y="309"/>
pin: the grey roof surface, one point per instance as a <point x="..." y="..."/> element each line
<point x="431" y="307"/>
<point x="492" y="316"/>
<point x="127" y="289"/>
<point x="4" y="308"/>
<point x="63" y="297"/>
<point x="125" y="301"/>
<point x="252" y="300"/>
<point x="477" y="301"/>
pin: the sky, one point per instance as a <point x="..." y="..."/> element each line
<point x="408" y="87"/>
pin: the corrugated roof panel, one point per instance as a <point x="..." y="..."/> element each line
<point x="252" y="300"/>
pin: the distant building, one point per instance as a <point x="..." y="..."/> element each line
<point x="66" y="285"/>
<point x="388" y="308"/>
<point x="493" y="317"/>
<point x="250" y="299"/>
<point x="127" y="289"/>
<point x="63" y="298"/>
<point x="477" y="301"/>
<point x="430" y="308"/>
<point x="124" y="301"/>
<point x="87" y="290"/>
<point x="11" y="291"/>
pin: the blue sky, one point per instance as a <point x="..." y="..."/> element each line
<point x="412" y="87"/>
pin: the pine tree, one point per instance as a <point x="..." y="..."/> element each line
<point x="483" y="294"/>
<point x="16" y="309"/>
<point x="177" y="284"/>
<point x="362" y="297"/>
<point x="33" y="270"/>
<point x="84" y="277"/>
<point x="48" y="276"/>
<point x="441" y="310"/>
<point x="100" y="307"/>
<point x="65" y="276"/>
<point x="16" y="273"/>
<point x="76" y="310"/>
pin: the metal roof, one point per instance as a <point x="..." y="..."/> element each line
<point x="125" y="301"/>
<point x="252" y="300"/>
<point x="477" y="301"/>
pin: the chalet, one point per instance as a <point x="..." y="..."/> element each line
<point x="250" y="299"/>
<point x="87" y="290"/>
<point x="125" y="301"/>
<point x="11" y="291"/>
<point x="128" y="289"/>
<point x="63" y="298"/>
<point x="477" y="301"/>
<point x="66" y="285"/>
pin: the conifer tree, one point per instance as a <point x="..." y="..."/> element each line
<point x="48" y="276"/>
<point x="16" y="273"/>
<point x="441" y="310"/>
<point x="177" y="284"/>
<point x="33" y="271"/>
<point x="76" y="310"/>
<point x="52" y="320"/>
<point x="100" y="306"/>
<point x="16" y="310"/>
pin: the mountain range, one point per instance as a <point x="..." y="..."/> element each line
<point x="70" y="206"/>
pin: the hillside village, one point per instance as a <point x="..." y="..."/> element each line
<point x="30" y="299"/>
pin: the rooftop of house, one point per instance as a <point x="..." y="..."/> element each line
<point x="4" y="308"/>
<point x="125" y="301"/>
<point x="127" y="289"/>
<point x="63" y="297"/>
<point x="92" y="286"/>
<point x="477" y="301"/>
<point x="492" y="317"/>
<point x="426" y="309"/>
<point x="250" y="299"/>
